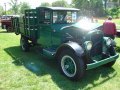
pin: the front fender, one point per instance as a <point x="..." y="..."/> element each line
<point x="75" y="47"/>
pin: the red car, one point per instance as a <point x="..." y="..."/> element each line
<point x="6" y="22"/>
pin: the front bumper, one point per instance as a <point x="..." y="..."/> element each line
<point x="102" y="62"/>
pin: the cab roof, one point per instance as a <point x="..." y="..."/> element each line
<point x="60" y="8"/>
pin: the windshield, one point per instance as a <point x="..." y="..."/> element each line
<point x="64" y="17"/>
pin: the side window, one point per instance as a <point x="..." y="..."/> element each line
<point x="64" y="17"/>
<point x="55" y="16"/>
<point x="59" y="17"/>
<point x="74" y="16"/>
<point x="69" y="17"/>
<point x="45" y="17"/>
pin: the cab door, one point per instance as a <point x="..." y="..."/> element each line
<point x="44" y="28"/>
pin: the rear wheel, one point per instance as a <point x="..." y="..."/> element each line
<point x="112" y="52"/>
<point x="24" y="44"/>
<point x="70" y="65"/>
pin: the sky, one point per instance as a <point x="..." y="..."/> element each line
<point x="32" y="3"/>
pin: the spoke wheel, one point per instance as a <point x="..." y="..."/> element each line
<point x="70" y="65"/>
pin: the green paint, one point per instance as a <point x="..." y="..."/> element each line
<point x="102" y="62"/>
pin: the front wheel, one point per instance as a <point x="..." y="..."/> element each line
<point x="70" y="65"/>
<point x="24" y="44"/>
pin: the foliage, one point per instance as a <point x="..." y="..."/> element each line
<point x="117" y="1"/>
<point x="94" y="7"/>
<point x="105" y="4"/>
<point x="23" y="7"/>
<point x="1" y="10"/>
<point x="114" y="12"/>
<point x="9" y="12"/>
<point x="98" y="8"/>
<point x="15" y="6"/>
<point x="60" y="3"/>
<point x="45" y="4"/>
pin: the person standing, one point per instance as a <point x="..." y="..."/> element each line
<point x="109" y="28"/>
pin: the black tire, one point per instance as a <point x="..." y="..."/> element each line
<point x="24" y="44"/>
<point x="74" y="62"/>
<point x="112" y="53"/>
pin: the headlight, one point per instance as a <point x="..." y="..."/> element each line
<point x="88" y="45"/>
<point x="108" y="42"/>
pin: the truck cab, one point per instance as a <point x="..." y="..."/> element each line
<point x="77" y="46"/>
<point x="51" y="21"/>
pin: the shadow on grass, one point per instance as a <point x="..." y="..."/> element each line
<point x="40" y="66"/>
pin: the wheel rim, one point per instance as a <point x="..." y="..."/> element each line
<point x="68" y="66"/>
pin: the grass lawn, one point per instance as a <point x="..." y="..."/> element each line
<point x="31" y="71"/>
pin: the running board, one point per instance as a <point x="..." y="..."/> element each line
<point x="48" y="53"/>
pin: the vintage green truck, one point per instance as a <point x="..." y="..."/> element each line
<point x="77" y="46"/>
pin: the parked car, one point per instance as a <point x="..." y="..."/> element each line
<point x="6" y="22"/>
<point x="77" y="47"/>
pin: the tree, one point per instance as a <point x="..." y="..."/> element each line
<point x="117" y="1"/>
<point x="60" y="3"/>
<point x="89" y="7"/>
<point x="105" y="4"/>
<point x="98" y="8"/>
<point x="9" y="12"/>
<point x="14" y="6"/>
<point x="23" y="7"/>
<point x="45" y="4"/>
<point x="1" y="10"/>
<point x="114" y="12"/>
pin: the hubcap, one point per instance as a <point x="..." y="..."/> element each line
<point x="68" y="66"/>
